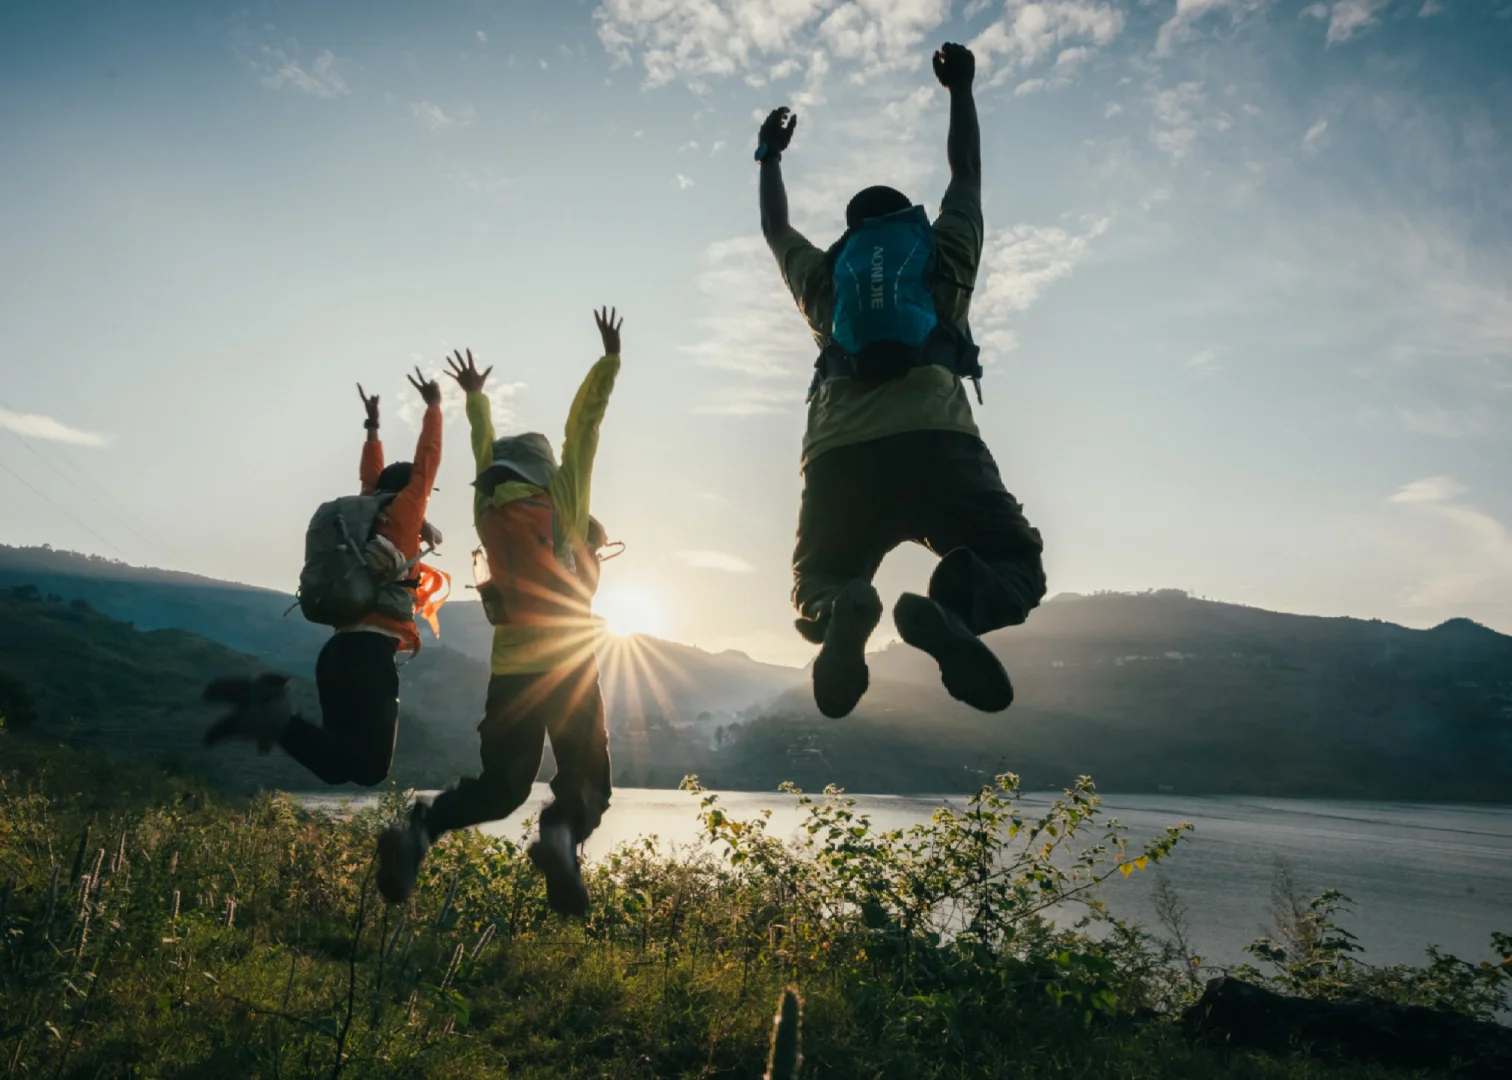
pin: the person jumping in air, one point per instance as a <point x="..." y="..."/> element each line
<point x="363" y="577"/>
<point x="892" y="453"/>
<point x="537" y="573"/>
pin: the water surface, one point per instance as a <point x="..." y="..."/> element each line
<point x="1418" y="874"/>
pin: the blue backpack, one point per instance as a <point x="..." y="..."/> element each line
<point x="885" y="322"/>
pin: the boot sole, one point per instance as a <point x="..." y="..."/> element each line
<point x="565" y="893"/>
<point x="841" y="677"/>
<point x="968" y="668"/>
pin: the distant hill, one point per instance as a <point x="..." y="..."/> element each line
<point x="649" y="685"/>
<point x="251" y="620"/>
<point x="1161" y="691"/>
<point x="1146" y="692"/>
<point x="241" y="617"/>
<point x="91" y="680"/>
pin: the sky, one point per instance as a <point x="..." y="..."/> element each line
<point x="1246" y="299"/>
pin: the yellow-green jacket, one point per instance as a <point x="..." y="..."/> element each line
<point x="520" y="650"/>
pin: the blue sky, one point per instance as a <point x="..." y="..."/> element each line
<point x="1246" y="301"/>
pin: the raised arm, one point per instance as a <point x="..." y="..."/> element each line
<point x="372" y="448"/>
<point x="955" y="67"/>
<point x="479" y="415"/>
<point x="572" y="486"/>
<point x="406" y="513"/>
<point x="776" y="132"/>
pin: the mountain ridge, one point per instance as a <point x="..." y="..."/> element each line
<point x="1146" y="691"/>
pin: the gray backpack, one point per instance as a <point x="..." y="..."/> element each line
<point x="337" y="587"/>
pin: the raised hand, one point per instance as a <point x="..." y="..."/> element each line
<point x="467" y="375"/>
<point x="430" y="390"/>
<point x="954" y="66"/>
<point x="371" y="405"/>
<point x="609" y="329"/>
<point x="776" y="132"/>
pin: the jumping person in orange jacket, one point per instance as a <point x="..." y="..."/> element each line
<point x="356" y="672"/>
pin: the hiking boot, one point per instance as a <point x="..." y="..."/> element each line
<point x="401" y="850"/>
<point x="260" y="709"/>
<point x="968" y="668"/>
<point x="555" y="856"/>
<point x="840" y="675"/>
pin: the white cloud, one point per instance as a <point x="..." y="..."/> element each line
<point x="36" y="426"/>
<point x="410" y="410"/>
<point x="753" y="327"/>
<point x="1469" y="559"/>
<point x="322" y="79"/>
<point x="1113" y="109"/>
<point x="1315" y="132"/>
<point x="1176" y="121"/>
<point x="484" y="181"/>
<point x="882" y="34"/>
<point x="1018" y="264"/>
<point x="1431" y="8"/>
<point x="1431" y="489"/>
<point x="1203" y="364"/>
<point x="1350" y="17"/>
<point x="436" y="118"/>
<point x="716" y="560"/>
<point x="751" y="401"/>
<point x="1180" y="26"/>
<point x="1441" y="423"/>
<point x="696" y="40"/>
<point x="1028" y="33"/>
<point x="483" y="36"/>
<point x="683" y="182"/>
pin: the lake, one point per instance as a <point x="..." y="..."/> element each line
<point x="1418" y="874"/>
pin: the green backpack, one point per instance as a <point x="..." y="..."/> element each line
<point x="337" y="587"/>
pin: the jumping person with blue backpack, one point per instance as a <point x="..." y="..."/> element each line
<point x="892" y="453"/>
<point x="537" y="571"/>
<point x="363" y="578"/>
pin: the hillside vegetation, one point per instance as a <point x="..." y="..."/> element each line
<point x="1166" y="692"/>
<point x="149" y="927"/>
<point x="82" y="677"/>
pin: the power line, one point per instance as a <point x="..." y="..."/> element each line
<point x="65" y="476"/>
<point x="151" y="536"/>
<point x="47" y="499"/>
<point x="122" y="515"/>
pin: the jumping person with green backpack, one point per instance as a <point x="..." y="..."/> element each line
<point x="892" y="453"/>
<point x="362" y="577"/>
<point x="538" y="569"/>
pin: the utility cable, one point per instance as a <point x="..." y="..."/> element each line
<point x="62" y="510"/>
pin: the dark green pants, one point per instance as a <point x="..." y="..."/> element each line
<point x="521" y="713"/>
<point x="936" y="488"/>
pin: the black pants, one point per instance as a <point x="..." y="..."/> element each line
<point x="521" y="712"/>
<point x="936" y="488"/>
<point x="359" y="712"/>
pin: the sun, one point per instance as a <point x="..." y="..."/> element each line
<point x="627" y="610"/>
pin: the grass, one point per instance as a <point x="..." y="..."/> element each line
<point x="150" y="927"/>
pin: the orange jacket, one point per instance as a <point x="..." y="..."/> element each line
<point x="401" y="526"/>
